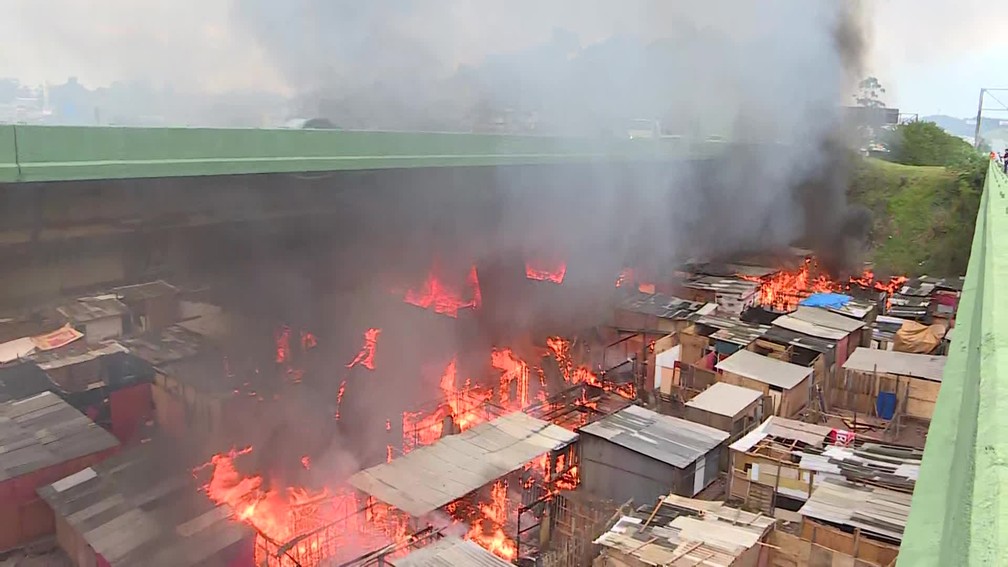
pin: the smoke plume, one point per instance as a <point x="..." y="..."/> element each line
<point x="771" y="77"/>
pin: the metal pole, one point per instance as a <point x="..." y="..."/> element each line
<point x="976" y="134"/>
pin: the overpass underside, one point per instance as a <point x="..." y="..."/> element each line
<point x="82" y="208"/>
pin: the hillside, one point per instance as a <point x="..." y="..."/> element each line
<point x="923" y="217"/>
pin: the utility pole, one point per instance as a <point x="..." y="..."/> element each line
<point x="979" y="119"/>
<point x="976" y="134"/>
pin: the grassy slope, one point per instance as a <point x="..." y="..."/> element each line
<point x="923" y="220"/>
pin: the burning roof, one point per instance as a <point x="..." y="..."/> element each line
<point x="430" y="477"/>
<point x="449" y="551"/>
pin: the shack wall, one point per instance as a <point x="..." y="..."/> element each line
<point x="858" y="391"/>
<point x="615" y="473"/>
<point x="23" y="515"/>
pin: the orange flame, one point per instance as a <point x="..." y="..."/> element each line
<point x="366" y="355"/>
<point x="515" y="370"/>
<point x="308" y="341"/>
<point x="546" y="273"/>
<point x="488" y="530"/>
<point x="629" y="276"/>
<point x="282" y="338"/>
<point x="784" y="290"/>
<point x="440" y="298"/>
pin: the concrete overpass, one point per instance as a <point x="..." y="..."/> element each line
<point x="83" y="207"/>
<point x="65" y="153"/>
<point x="959" y="514"/>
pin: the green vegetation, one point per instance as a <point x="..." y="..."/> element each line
<point x="924" y="207"/>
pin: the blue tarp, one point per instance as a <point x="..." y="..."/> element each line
<point x="835" y="300"/>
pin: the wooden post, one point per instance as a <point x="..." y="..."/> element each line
<point x="857" y="540"/>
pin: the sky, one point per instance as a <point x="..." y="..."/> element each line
<point x="932" y="56"/>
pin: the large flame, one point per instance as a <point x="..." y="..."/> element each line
<point x="441" y="298"/>
<point x="367" y="352"/>
<point x="280" y="515"/>
<point x="785" y="289"/>
<point x="546" y="272"/>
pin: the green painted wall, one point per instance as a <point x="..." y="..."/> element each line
<point x="959" y="514"/>
<point x="55" y="153"/>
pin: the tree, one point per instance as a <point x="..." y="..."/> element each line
<point x="925" y="143"/>
<point x="870" y="92"/>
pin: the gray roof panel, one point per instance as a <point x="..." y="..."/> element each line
<point x="662" y="437"/>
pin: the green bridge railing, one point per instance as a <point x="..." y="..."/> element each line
<point x="959" y="514"/>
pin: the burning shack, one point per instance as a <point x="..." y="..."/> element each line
<point x="788" y="384"/>
<point x="142" y="507"/>
<point x="449" y="551"/>
<point x="732" y="295"/>
<point x="43" y="439"/>
<point x="640" y="454"/>
<point x="487" y="476"/>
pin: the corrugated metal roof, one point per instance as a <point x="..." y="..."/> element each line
<point x="783" y="428"/>
<point x="671" y="440"/>
<point x="735" y="331"/>
<point x="825" y="318"/>
<point x="810" y="329"/>
<point x="663" y="306"/>
<point x="685" y="532"/>
<point x="893" y="362"/>
<point x="724" y="399"/>
<point x="144" y="291"/>
<point x="74" y="353"/>
<point x="724" y="285"/>
<point x="427" y="478"/>
<point x="91" y="308"/>
<point x="44" y="430"/>
<point x="857" y="308"/>
<point x="875" y="510"/>
<point x="450" y="552"/>
<point x="764" y="369"/>
<point x="783" y="336"/>
<point x="143" y="507"/>
<point x="171" y="344"/>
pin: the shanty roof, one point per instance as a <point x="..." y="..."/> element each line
<point x="685" y="532"/>
<point x="893" y="362"/>
<point x="729" y="269"/>
<point x="879" y="465"/>
<point x="171" y="344"/>
<point x="88" y="309"/>
<point x="143" y="507"/>
<point x="877" y="511"/>
<point x="448" y="552"/>
<point x="44" y="430"/>
<point x="427" y="478"/>
<point x="724" y="399"/>
<point x="925" y="285"/>
<point x="731" y="330"/>
<point x="764" y="369"/>
<point x="908" y="307"/>
<point x="824" y="318"/>
<point x="145" y="291"/>
<point x="663" y="306"/>
<point x="24" y="380"/>
<point x="783" y="428"/>
<point x="74" y="353"/>
<point x="723" y="285"/>
<point x="783" y="336"/>
<point x="856" y="308"/>
<point x="668" y="439"/>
